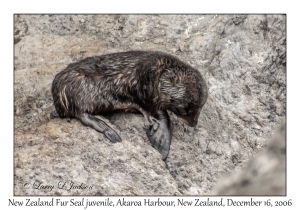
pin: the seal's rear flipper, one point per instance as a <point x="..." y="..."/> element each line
<point x="160" y="136"/>
<point x="100" y="126"/>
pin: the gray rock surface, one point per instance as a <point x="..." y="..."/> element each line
<point x="243" y="58"/>
<point x="263" y="175"/>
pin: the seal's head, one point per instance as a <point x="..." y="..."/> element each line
<point x="184" y="92"/>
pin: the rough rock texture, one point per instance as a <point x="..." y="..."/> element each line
<point x="243" y="58"/>
<point x="264" y="175"/>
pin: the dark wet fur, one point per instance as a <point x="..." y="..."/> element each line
<point x="150" y="82"/>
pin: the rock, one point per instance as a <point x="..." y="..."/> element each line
<point x="263" y="175"/>
<point x="243" y="59"/>
<point x="71" y="153"/>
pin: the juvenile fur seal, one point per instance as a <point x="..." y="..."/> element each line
<point x="144" y="81"/>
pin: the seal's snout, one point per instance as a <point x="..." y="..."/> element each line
<point x="191" y="119"/>
<point x="188" y="121"/>
<point x="194" y="123"/>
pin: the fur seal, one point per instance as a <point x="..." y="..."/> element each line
<point x="146" y="81"/>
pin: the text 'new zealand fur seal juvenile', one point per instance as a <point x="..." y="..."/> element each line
<point x="144" y="81"/>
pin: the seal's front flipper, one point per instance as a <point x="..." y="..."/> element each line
<point x="158" y="130"/>
<point x="100" y="126"/>
<point x="151" y="125"/>
<point x="160" y="135"/>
